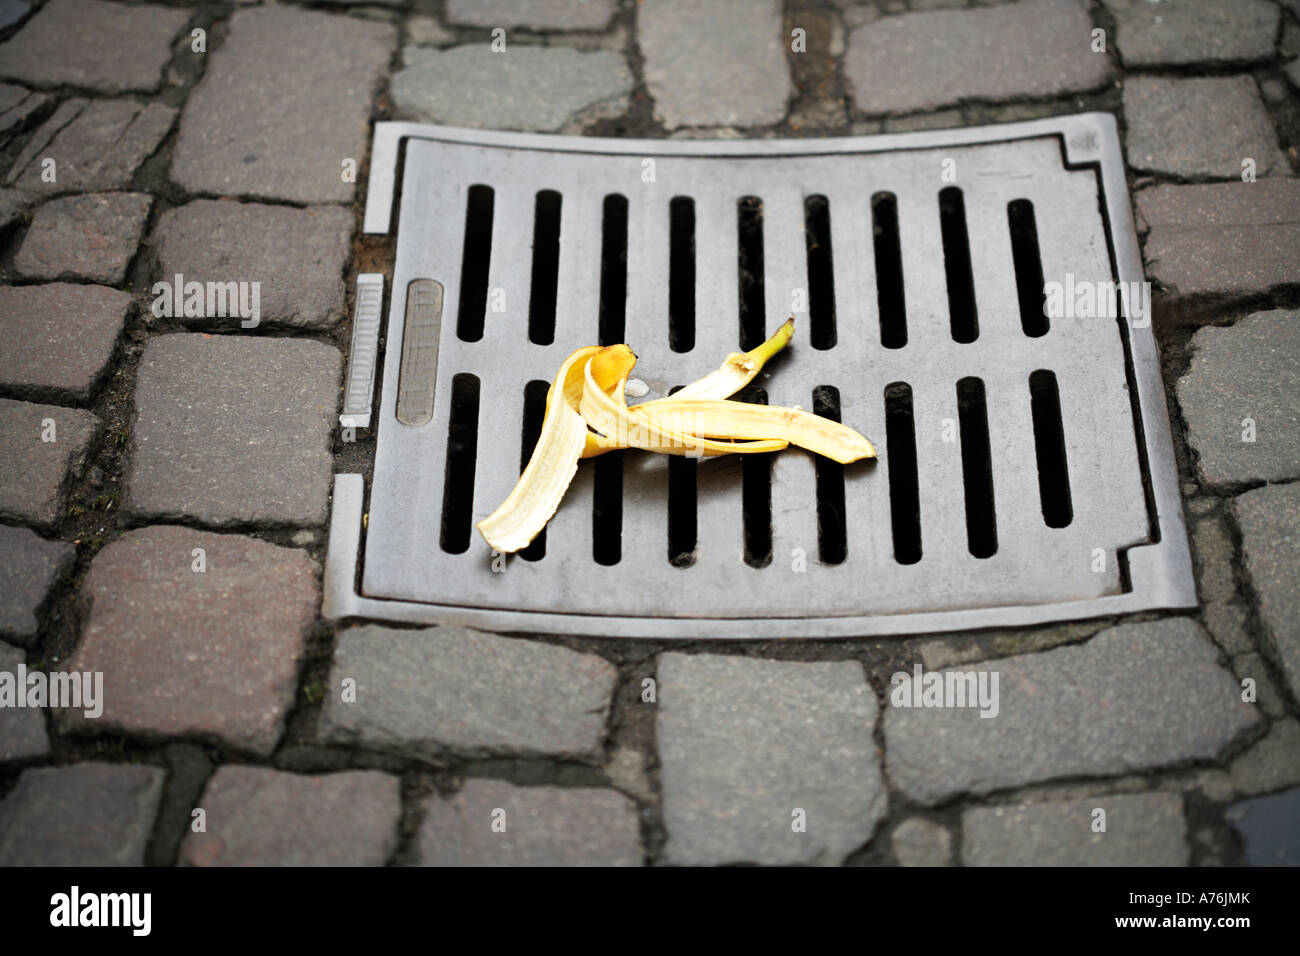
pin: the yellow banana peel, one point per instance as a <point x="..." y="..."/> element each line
<point x="587" y="415"/>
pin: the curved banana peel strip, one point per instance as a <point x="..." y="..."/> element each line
<point x="552" y="466"/>
<point x="587" y="414"/>
<point x="708" y="417"/>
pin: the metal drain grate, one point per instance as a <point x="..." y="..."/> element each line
<point x="1026" y="471"/>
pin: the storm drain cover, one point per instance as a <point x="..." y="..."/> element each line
<point x="970" y="300"/>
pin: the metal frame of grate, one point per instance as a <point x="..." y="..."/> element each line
<point x="1026" y="471"/>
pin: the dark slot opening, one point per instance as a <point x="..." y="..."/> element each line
<point x="904" y="489"/>
<point x="683" y="503"/>
<point x="462" y="452"/>
<point x="832" y="536"/>
<point x="534" y="412"/>
<point x="546" y="267"/>
<point x="977" y="468"/>
<point x="957" y="266"/>
<point x="756" y="496"/>
<point x="613" y="270"/>
<point x="889" y="271"/>
<point x="821" y="274"/>
<point x="607" y="509"/>
<point x="681" y="275"/>
<point x="1029" y="267"/>
<point x="749" y="218"/>
<point x="475" y="257"/>
<point x="1049" y="442"/>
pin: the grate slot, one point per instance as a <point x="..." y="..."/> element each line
<point x="1049" y="443"/>
<point x="957" y="266"/>
<point x="534" y="413"/>
<point x="753" y="311"/>
<point x="681" y="275"/>
<point x="546" y="267"/>
<point x="475" y="261"/>
<point x="756" y="496"/>
<point x="904" y="490"/>
<point x="889" y="271"/>
<point x="613" y="271"/>
<point x="1029" y="267"/>
<point x="683" y="506"/>
<point x="821" y="273"/>
<point x="977" y="468"/>
<point x="462" y="454"/>
<point x="832" y="532"/>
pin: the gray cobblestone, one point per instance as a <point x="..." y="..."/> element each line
<point x="297" y="255"/>
<point x="12" y="11"/>
<point x="924" y="61"/>
<point x="1134" y="697"/>
<point x="1268" y="828"/>
<point x="1247" y="371"/>
<point x="256" y="816"/>
<point x="1252" y="665"/>
<point x="543" y="826"/>
<point x="744" y="744"/>
<point x="59" y="338"/>
<point x="118" y="47"/>
<point x="1272" y="763"/>
<point x="1269" y="519"/>
<point x="1193" y="31"/>
<point x="96" y="145"/>
<point x="90" y="237"/>
<point x="716" y="64"/>
<point x="1147" y="829"/>
<point x="22" y="729"/>
<point x="524" y="88"/>
<point x="284" y="101"/>
<point x="31" y="566"/>
<point x="1191" y="226"/>
<point x="13" y="203"/>
<point x="87" y="814"/>
<point x="233" y="430"/>
<point x="16" y="104"/>
<point x="34" y="472"/>
<point x="183" y="651"/>
<point x="532" y="14"/>
<point x="449" y="687"/>
<point x="921" y="842"/>
<point x="1227" y="623"/>
<point x="1199" y="128"/>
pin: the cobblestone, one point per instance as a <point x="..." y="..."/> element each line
<point x="921" y="842"/>
<point x="1191" y="226"/>
<point x="747" y="746"/>
<point x="1193" y="31"/>
<point x="928" y="60"/>
<point x="1199" y="128"/>
<point x="283" y="104"/>
<point x="716" y="64"/>
<point x="59" y="338"/>
<point x="16" y="104"/>
<point x="524" y="88"/>
<point x="532" y="14"/>
<point x="95" y="145"/>
<point x="22" y="729"/>
<point x="90" y="237"/>
<point x="233" y="430"/>
<point x="297" y="256"/>
<point x="261" y="817"/>
<point x="41" y="447"/>
<point x="1134" y="697"/>
<point x="1268" y="828"/>
<point x="1241" y="400"/>
<point x="119" y="47"/>
<point x="1269" y="519"/>
<point x="31" y="566"/>
<point x="196" y="634"/>
<point x="1272" y="763"/>
<point x="86" y="814"/>
<point x="543" y="826"/>
<point x="418" y="692"/>
<point x="1147" y="829"/>
<point x="1252" y="665"/>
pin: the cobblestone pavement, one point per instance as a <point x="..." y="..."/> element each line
<point x="165" y="479"/>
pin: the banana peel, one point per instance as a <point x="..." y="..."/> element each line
<point x="587" y="415"/>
